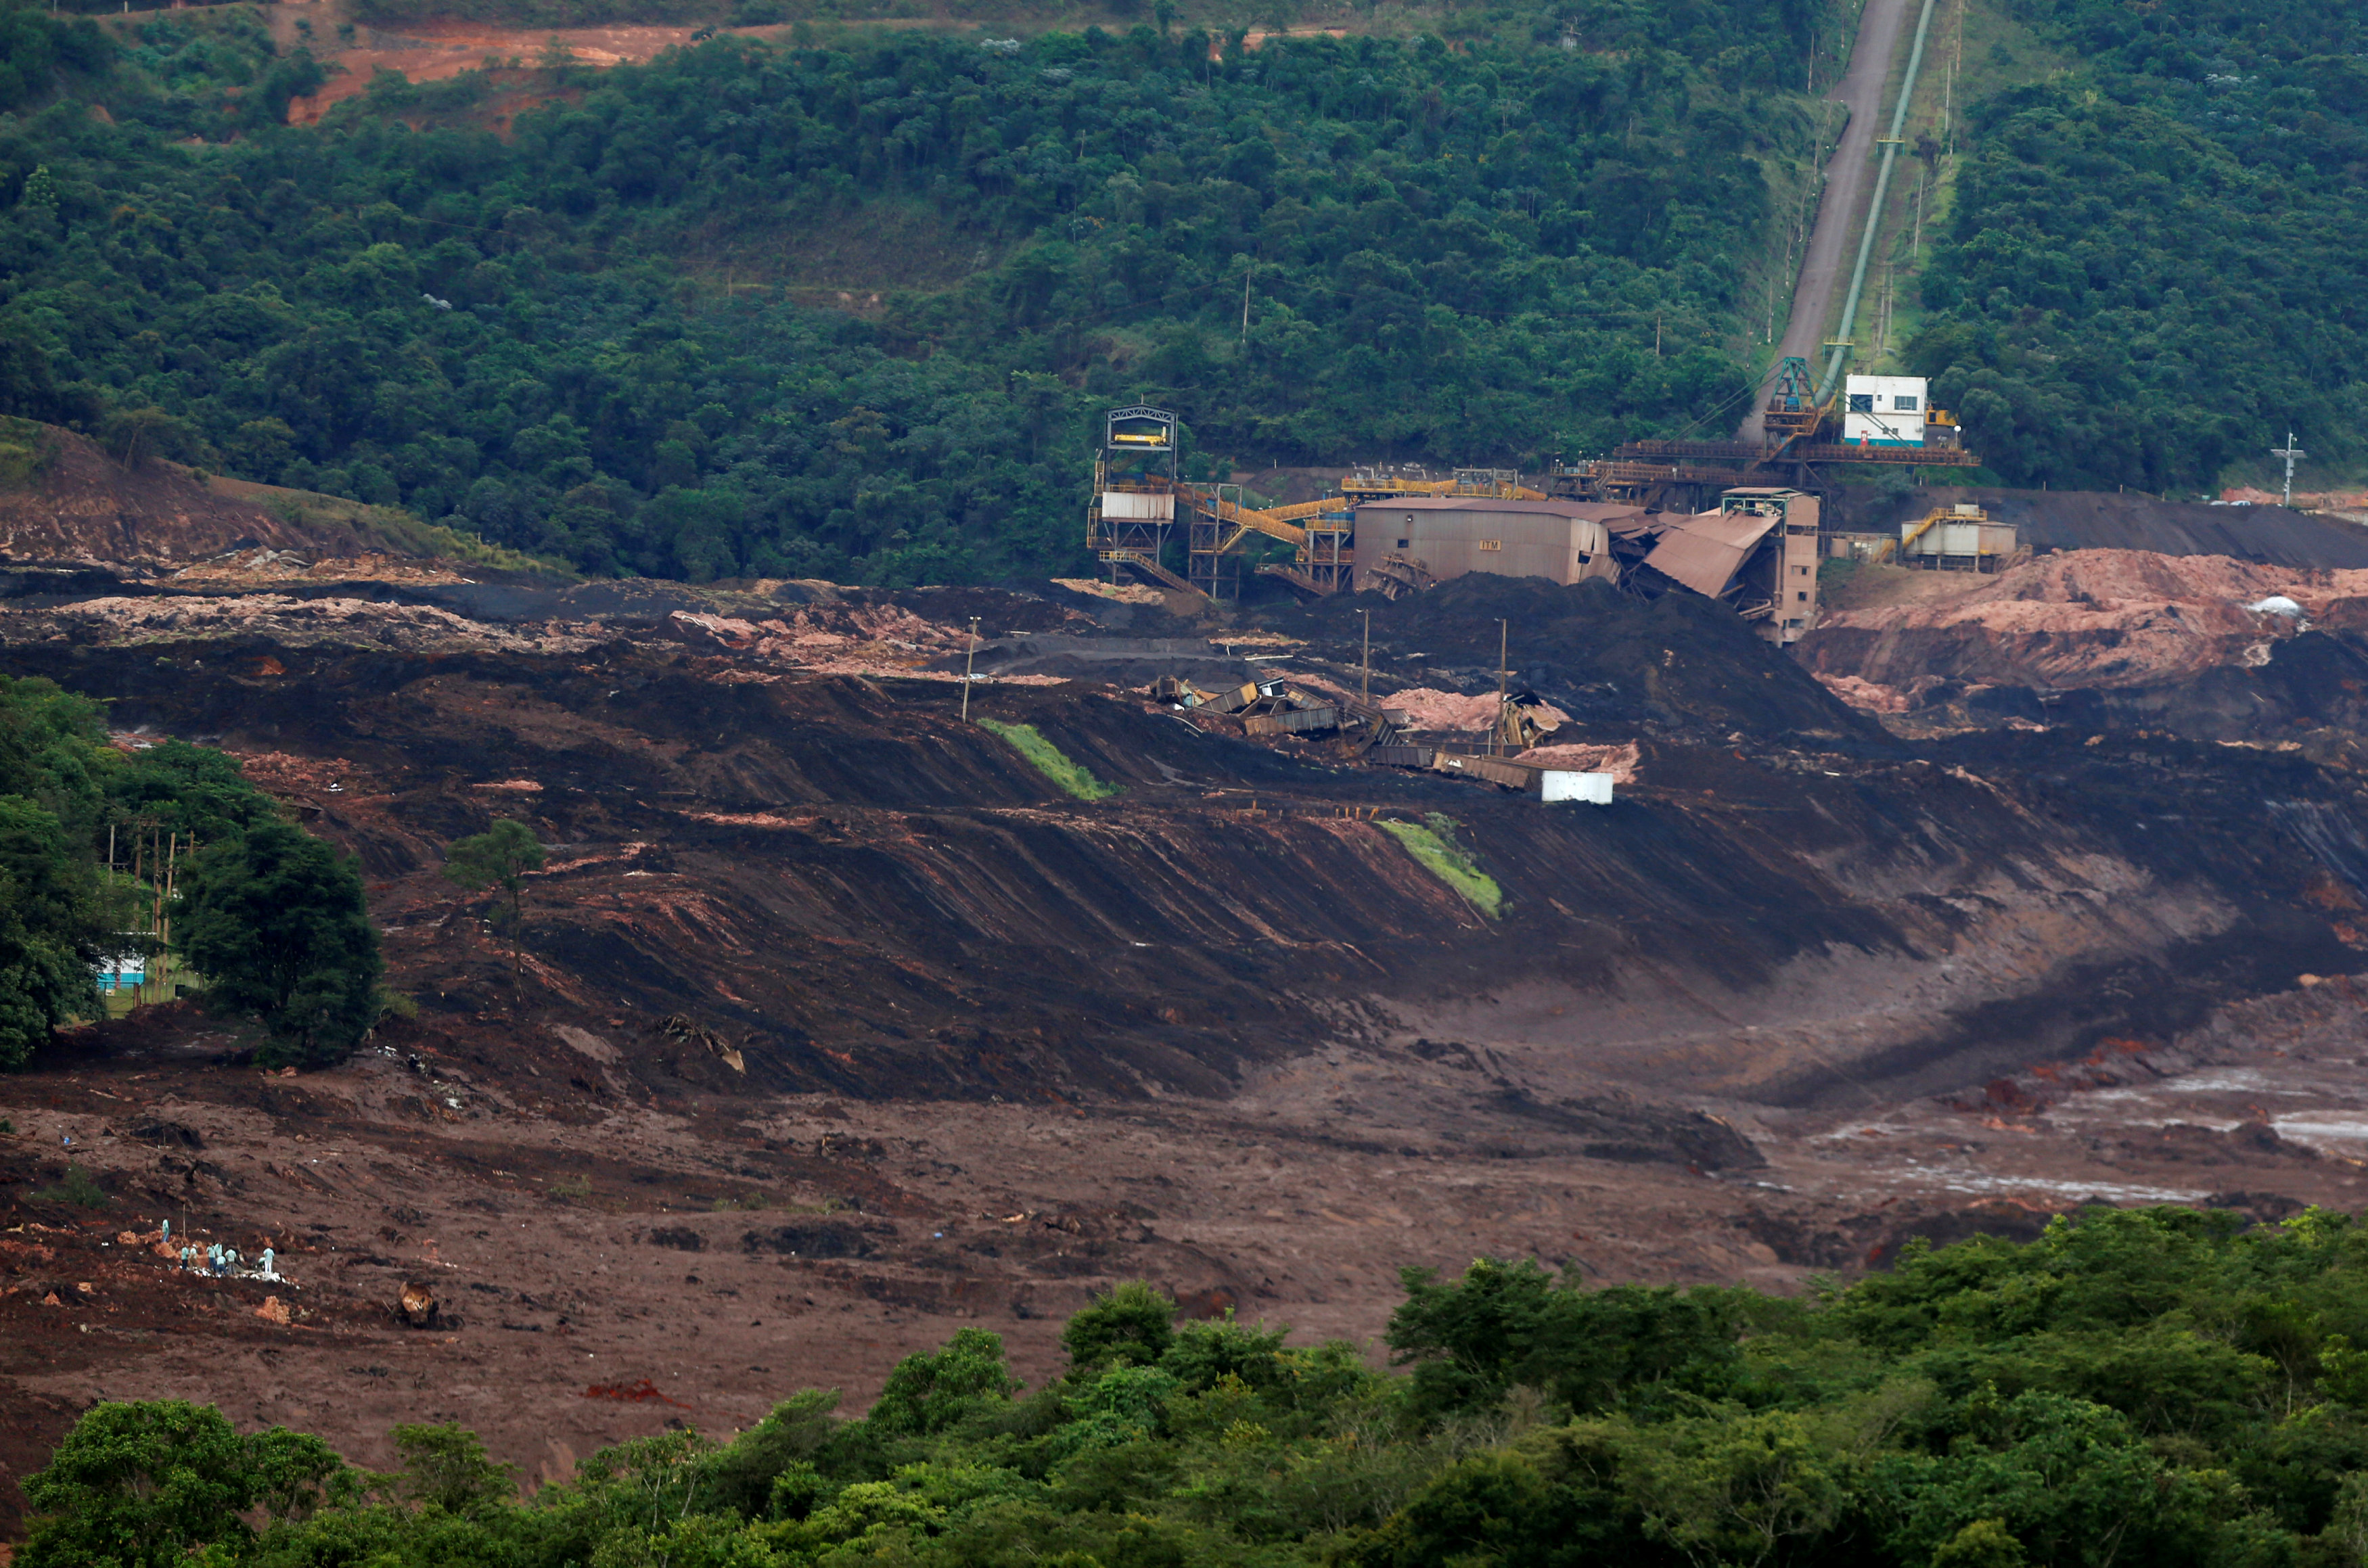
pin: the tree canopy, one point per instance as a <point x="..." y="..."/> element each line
<point x="275" y="917"/>
<point x="584" y="340"/>
<point x="146" y="1484"/>
<point x="2154" y="268"/>
<point x="498" y="857"/>
<point x="276" y="923"/>
<point x="2153" y="1386"/>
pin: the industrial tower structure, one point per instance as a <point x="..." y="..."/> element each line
<point x="1133" y="504"/>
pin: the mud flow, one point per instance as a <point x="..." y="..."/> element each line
<point x="837" y="1022"/>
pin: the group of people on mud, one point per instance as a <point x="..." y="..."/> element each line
<point x="216" y="1260"/>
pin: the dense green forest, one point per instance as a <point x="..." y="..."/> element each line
<point x="2141" y="1387"/>
<point x="2156" y="263"/>
<point x="272" y="917"/>
<point x="1495" y="250"/>
<point x="1543" y="236"/>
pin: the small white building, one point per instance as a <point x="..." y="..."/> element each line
<point x="1883" y="410"/>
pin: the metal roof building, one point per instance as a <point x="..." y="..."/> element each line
<point x="1567" y="541"/>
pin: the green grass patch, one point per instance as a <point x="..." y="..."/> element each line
<point x="1049" y="761"/>
<point x="392" y="530"/>
<point x="25" y="452"/>
<point x="79" y="1190"/>
<point x="1430" y="841"/>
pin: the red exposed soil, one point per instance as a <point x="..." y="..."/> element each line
<point x="85" y="509"/>
<point x="438" y="49"/>
<point x="443" y="48"/>
<point x="1900" y="641"/>
<point x="2081" y="617"/>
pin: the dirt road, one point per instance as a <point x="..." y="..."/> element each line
<point x="1849" y="177"/>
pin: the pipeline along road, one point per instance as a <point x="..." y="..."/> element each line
<point x="1850" y="176"/>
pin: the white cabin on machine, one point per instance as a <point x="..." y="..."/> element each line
<point x="1883" y="410"/>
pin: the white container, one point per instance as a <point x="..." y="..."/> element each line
<point x="1883" y="410"/>
<point x="1134" y="506"/>
<point x="1595" y="789"/>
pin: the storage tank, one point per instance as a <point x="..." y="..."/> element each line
<point x="1961" y="538"/>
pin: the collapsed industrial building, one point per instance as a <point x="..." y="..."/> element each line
<point x="1654" y="517"/>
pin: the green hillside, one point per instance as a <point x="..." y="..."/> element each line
<point x="1542" y="238"/>
<point x="2156" y="261"/>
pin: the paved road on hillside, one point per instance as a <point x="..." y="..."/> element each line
<point x="1850" y="178"/>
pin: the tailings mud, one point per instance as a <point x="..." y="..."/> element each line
<point x="836" y="1024"/>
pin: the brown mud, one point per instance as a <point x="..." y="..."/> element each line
<point x="836" y="1025"/>
<point x="608" y="1262"/>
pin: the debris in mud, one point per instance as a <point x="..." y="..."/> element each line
<point x="1620" y="761"/>
<point x="684" y="1031"/>
<point x="641" y="1391"/>
<point x="851" y="635"/>
<point x="2247" y="1144"/>
<point x="288" y="622"/>
<point x="1428" y="709"/>
<point x="168" y="1134"/>
<point x="262" y="565"/>
<point x="1894" y="640"/>
<point x="1123" y="593"/>
<point x="810" y="1239"/>
<point x="1602" y="658"/>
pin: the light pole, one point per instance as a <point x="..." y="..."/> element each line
<point x="2290" y="452"/>
<point x="970" y="657"/>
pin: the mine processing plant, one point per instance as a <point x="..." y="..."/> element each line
<point x="1883" y="420"/>
<point x="1655" y="516"/>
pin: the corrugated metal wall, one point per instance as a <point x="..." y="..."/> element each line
<point x="1529" y="542"/>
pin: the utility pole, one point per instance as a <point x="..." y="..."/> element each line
<point x="155" y="897"/>
<point x="1504" y="639"/>
<point x="1365" y="688"/>
<point x="1949" y="88"/>
<point x="970" y="657"/>
<point x="2290" y="452"/>
<point x="1246" y="308"/>
<point x="165" y="921"/>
